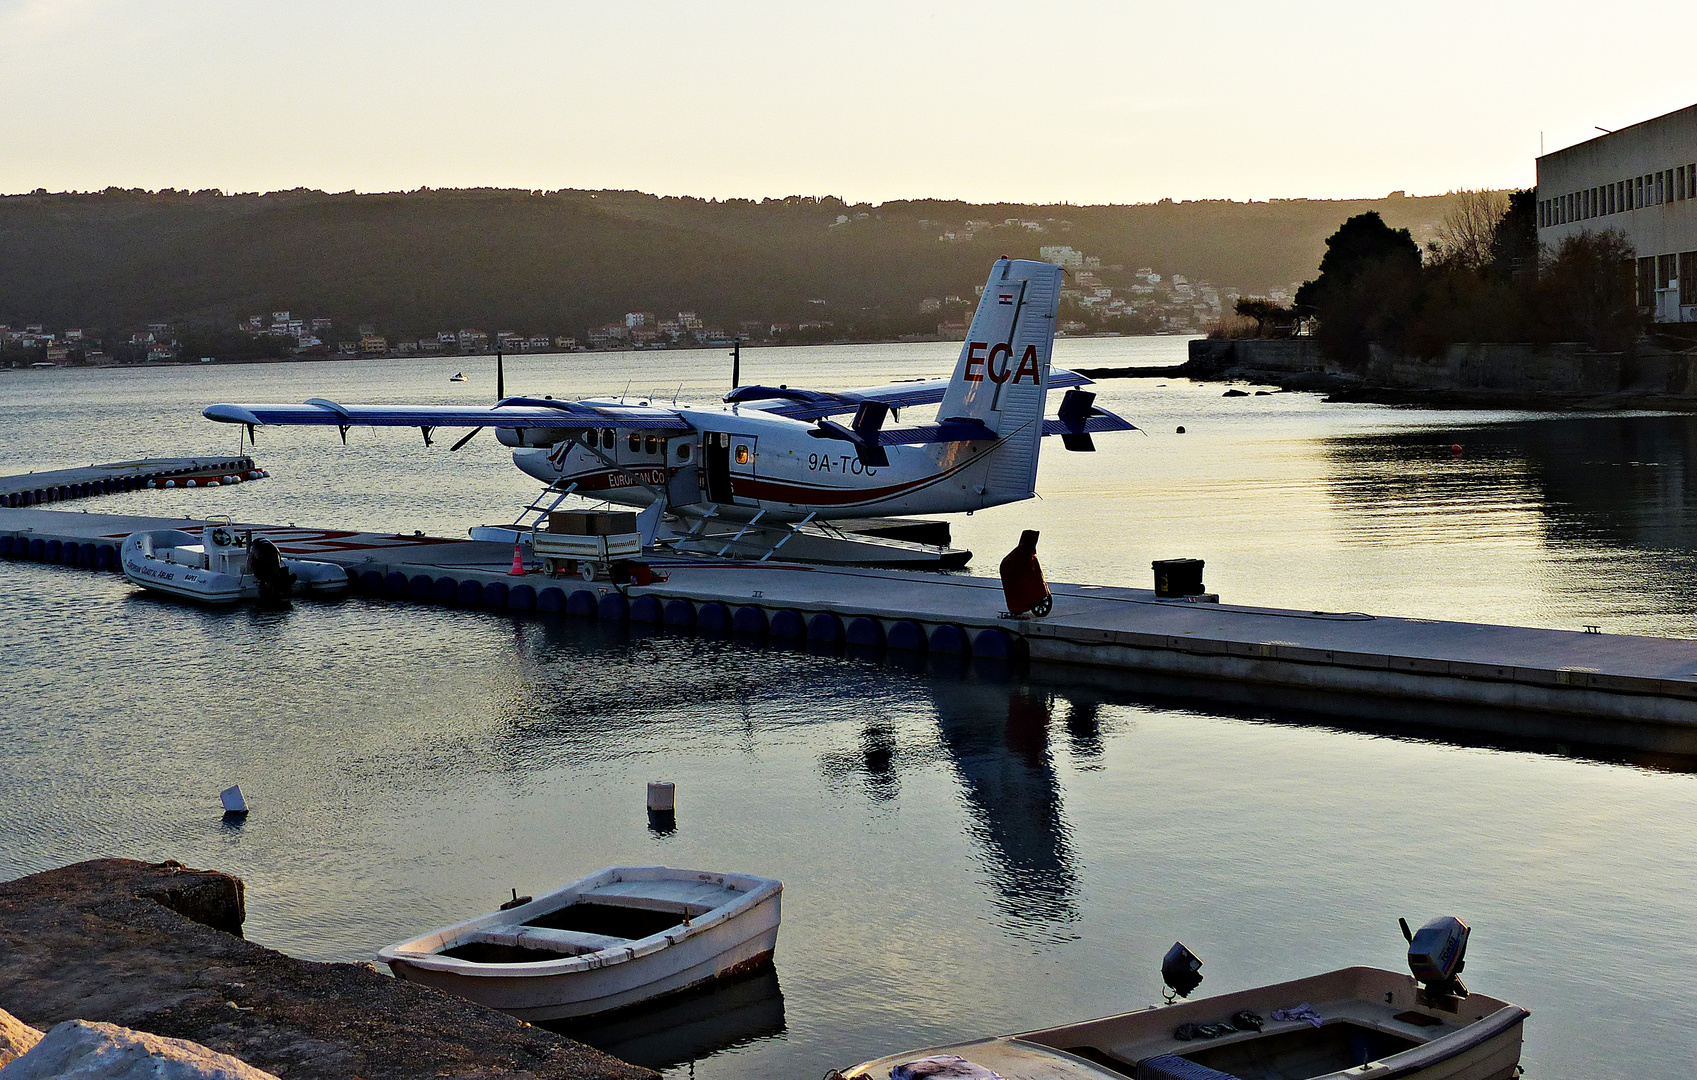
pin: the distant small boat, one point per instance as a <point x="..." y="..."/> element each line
<point x="457" y="377"/>
<point x="619" y="937"/>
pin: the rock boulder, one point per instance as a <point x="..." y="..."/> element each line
<point x="16" y="1037"/>
<point x="79" y="1050"/>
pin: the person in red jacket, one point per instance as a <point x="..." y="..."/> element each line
<point x="1022" y="579"/>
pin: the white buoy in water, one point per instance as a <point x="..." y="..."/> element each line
<point x="233" y="801"/>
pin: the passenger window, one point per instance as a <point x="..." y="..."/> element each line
<point x="683" y="451"/>
<point x="652" y="445"/>
<point x="635" y="443"/>
<point x="609" y="438"/>
<point x="742" y="455"/>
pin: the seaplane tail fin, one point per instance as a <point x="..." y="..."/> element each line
<point x="1002" y="377"/>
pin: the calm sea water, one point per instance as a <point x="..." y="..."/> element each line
<point x="964" y="853"/>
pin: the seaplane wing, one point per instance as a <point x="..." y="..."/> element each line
<point x="515" y="412"/>
<point x="814" y="404"/>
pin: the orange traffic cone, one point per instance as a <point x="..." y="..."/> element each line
<point x="518" y="563"/>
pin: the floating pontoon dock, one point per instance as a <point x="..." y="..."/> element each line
<point x="57" y="485"/>
<point x="1573" y="674"/>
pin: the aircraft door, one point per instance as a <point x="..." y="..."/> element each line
<point x="716" y="462"/>
<point x="742" y="468"/>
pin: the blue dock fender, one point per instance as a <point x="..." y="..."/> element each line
<point x="444" y="590"/>
<point x="106" y="557"/>
<point x="470" y="593"/>
<point x="420" y="586"/>
<point x="85" y="556"/>
<point x="582" y="602"/>
<point x="51" y="552"/>
<point x="905" y="636"/>
<point x="993" y="643"/>
<point x="864" y="633"/>
<point x="371" y="583"/>
<point x="950" y="640"/>
<point x="786" y="623"/>
<point x="37" y="549"/>
<point x="551" y="599"/>
<point x="7" y="546"/>
<point x="495" y="594"/>
<point x="613" y="607"/>
<point x="680" y="613"/>
<point x="521" y="598"/>
<point x="825" y="629"/>
<point x="646" y="609"/>
<point x="748" y="620"/>
<point x="394" y="584"/>
<point x="713" y="618"/>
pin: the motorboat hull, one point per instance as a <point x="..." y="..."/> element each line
<point x="178" y="564"/>
<point x="726" y="941"/>
<point x="1373" y="1024"/>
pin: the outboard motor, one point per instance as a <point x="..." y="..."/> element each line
<point x="1436" y="955"/>
<point x="276" y="581"/>
<point x="1181" y="969"/>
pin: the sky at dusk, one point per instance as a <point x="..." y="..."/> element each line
<point x="1075" y="102"/>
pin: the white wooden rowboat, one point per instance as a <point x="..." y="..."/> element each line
<point x="619" y="937"/>
<point x="1366" y="1024"/>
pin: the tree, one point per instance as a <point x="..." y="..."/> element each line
<point x="1265" y="312"/>
<point x="1368" y="285"/>
<point x="1467" y="233"/>
<point x="1514" y="241"/>
<point x="1586" y="291"/>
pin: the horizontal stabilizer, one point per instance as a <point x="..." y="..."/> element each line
<point x="1102" y="421"/>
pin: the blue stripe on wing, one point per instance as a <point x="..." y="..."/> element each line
<point x="512" y="413"/>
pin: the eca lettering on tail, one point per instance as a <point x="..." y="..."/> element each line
<point x="996" y="362"/>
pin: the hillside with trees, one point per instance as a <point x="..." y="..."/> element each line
<point x="557" y="262"/>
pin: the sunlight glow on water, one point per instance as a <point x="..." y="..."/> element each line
<point x="963" y="854"/>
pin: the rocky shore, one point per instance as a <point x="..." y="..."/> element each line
<point x="157" y="948"/>
<point x="1488" y="376"/>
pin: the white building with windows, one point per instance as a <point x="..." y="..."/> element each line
<point x="1642" y="182"/>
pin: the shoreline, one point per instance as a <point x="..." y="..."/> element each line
<point x="157" y="947"/>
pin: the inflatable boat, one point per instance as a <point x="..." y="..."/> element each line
<point x="224" y="565"/>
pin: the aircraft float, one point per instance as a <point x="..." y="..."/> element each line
<point x="775" y="464"/>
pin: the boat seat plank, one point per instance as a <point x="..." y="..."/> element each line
<point x="690" y="897"/>
<point x="570" y="942"/>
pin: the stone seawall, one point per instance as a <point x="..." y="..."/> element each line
<point x="1569" y="374"/>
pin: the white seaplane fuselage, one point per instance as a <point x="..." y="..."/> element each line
<point x="750" y="461"/>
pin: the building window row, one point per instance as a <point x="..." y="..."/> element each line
<point x="1657" y="273"/>
<point x="1652" y="189"/>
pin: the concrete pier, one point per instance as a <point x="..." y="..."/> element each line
<point x="58" y="485"/>
<point x="1623" y="690"/>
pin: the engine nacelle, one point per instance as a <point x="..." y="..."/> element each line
<point x="540" y="438"/>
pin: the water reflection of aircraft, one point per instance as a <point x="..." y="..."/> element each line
<point x="774" y="454"/>
<point x="998" y="740"/>
<point x="691" y="1027"/>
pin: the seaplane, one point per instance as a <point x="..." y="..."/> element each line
<point x="775" y="467"/>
